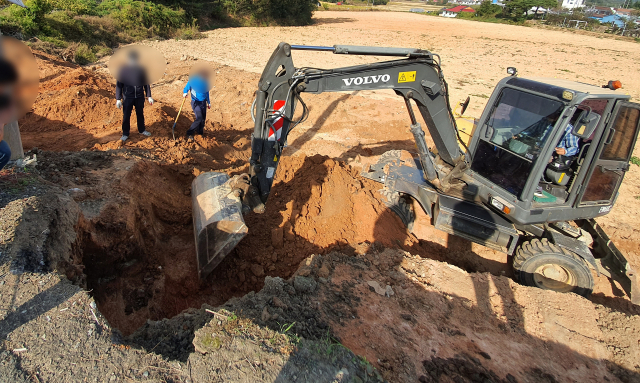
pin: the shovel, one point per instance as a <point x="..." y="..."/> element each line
<point x="173" y="128"/>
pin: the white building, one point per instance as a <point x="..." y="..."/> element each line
<point x="572" y="4"/>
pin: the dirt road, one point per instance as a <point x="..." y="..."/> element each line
<point x="126" y="235"/>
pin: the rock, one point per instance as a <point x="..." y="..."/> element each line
<point x="77" y="194"/>
<point x="257" y="270"/>
<point x="205" y="342"/>
<point x="324" y="271"/>
<point x="279" y="303"/>
<point x="369" y="369"/>
<point x="288" y="231"/>
<point x="241" y="276"/>
<point x="387" y="291"/>
<point x="277" y="237"/>
<point x="265" y="314"/>
<point x="304" y="271"/>
<point x="304" y="285"/>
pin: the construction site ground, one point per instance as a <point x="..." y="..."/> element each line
<point x="98" y="279"/>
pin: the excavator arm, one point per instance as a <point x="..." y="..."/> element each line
<point x="219" y="202"/>
<point x="417" y="76"/>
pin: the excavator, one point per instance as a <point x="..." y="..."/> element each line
<point x="498" y="180"/>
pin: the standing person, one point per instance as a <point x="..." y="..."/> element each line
<point x="198" y="86"/>
<point x="8" y="78"/>
<point x="132" y="86"/>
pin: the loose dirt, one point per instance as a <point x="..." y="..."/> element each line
<point x="327" y="273"/>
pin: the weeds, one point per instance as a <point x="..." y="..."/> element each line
<point x="189" y="32"/>
<point x="635" y="160"/>
<point x="328" y="346"/>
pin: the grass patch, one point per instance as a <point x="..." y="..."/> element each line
<point x="635" y="160"/>
<point x="189" y="32"/>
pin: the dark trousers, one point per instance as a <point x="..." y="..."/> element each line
<point x="5" y="154"/>
<point x="127" y="108"/>
<point x="200" y="110"/>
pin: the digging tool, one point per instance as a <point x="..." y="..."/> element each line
<point x="217" y="219"/>
<point x="173" y="128"/>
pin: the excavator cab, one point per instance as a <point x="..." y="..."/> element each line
<point x="528" y="177"/>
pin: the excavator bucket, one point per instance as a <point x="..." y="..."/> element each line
<point x="217" y="220"/>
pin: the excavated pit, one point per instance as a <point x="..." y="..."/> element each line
<point x="135" y="250"/>
<point x="136" y="254"/>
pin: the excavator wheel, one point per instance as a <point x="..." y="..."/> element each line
<point x="542" y="264"/>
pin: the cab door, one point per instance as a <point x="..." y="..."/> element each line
<point x="611" y="160"/>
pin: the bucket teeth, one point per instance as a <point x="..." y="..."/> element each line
<point x="217" y="220"/>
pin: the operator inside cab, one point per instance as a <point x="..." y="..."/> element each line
<point x="519" y="128"/>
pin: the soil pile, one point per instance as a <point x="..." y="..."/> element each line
<point x="318" y="204"/>
<point x="75" y="108"/>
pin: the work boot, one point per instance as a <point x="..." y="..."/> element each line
<point x="189" y="138"/>
<point x="146" y="133"/>
<point x="123" y="138"/>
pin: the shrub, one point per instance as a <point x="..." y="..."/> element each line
<point x="142" y="19"/>
<point x="189" y="32"/>
<point x="78" y="7"/>
<point x="325" y="6"/>
<point x="284" y="12"/>
<point x="79" y="54"/>
<point x="83" y="30"/>
<point x="380" y="2"/>
<point x="28" y="20"/>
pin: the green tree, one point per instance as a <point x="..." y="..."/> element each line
<point x="487" y="8"/>
<point x="516" y="9"/>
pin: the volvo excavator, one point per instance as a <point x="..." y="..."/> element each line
<point x="497" y="181"/>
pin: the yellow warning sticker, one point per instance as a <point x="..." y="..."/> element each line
<point x="275" y="158"/>
<point x="406" y="77"/>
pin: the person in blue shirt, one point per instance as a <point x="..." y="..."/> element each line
<point x="569" y="144"/>
<point x="198" y="87"/>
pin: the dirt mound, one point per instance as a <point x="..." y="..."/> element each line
<point x="318" y="204"/>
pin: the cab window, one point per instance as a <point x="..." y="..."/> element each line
<point x="515" y="134"/>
